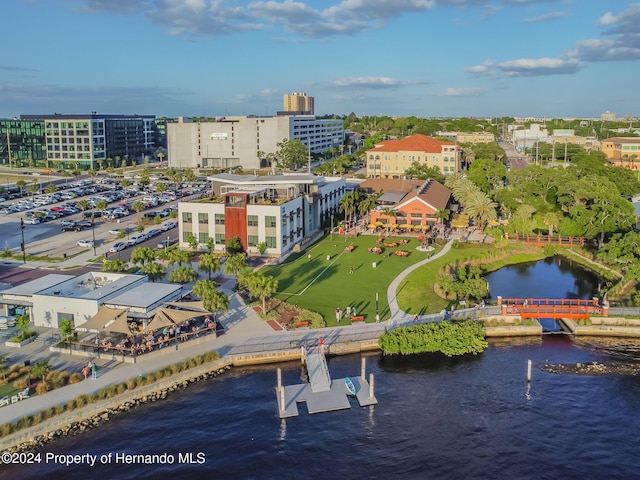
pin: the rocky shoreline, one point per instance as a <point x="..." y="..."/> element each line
<point x="94" y="421"/>
<point x="593" y="368"/>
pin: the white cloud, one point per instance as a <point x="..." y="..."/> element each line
<point x="546" y="17"/>
<point x="464" y="92"/>
<point x="607" y="19"/>
<point x="369" y="82"/>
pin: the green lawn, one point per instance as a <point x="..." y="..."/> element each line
<point x="322" y="285"/>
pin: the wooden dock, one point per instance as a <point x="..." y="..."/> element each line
<point x="322" y="394"/>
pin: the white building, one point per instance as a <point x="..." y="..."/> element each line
<point x="235" y="141"/>
<point x="280" y="210"/>
<point x="50" y="299"/>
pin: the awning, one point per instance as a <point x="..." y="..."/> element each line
<point x="195" y="306"/>
<point x="167" y="317"/>
<point x="100" y="320"/>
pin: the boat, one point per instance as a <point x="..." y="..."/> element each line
<point x="350" y="386"/>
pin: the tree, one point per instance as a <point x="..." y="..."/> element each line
<point x="178" y="256"/>
<point x="83" y="205"/>
<point x="154" y="271"/>
<point x="482" y="209"/>
<point x="137" y="207"/>
<point x="235" y="263"/>
<point x="390" y="213"/>
<point x="41" y="368"/>
<point x="51" y="188"/>
<point x="182" y="275"/>
<point x="292" y="153"/>
<point x="22" y="322"/>
<point x="3" y="365"/>
<point x="192" y="241"/>
<point x="21" y="184"/>
<point x="66" y="329"/>
<point x="32" y="188"/>
<point x="551" y="220"/>
<point x="422" y="171"/>
<point x="209" y="263"/>
<point x="234" y="246"/>
<point x="212" y="299"/>
<point x="143" y="255"/>
<point x="261" y="286"/>
<point x="262" y="247"/>
<point x="114" y="266"/>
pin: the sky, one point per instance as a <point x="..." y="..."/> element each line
<point x="428" y="58"/>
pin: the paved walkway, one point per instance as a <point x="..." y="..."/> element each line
<point x="245" y="333"/>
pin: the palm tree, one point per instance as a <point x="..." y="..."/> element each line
<point x="182" y="275"/>
<point x="41" y="368"/>
<point x="209" y="263"/>
<point x="143" y="255"/>
<point x="21" y="184"/>
<point x="261" y="286"/>
<point x="116" y="265"/>
<point x="83" y="205"/>
<point x="551" y="220"/>
<point x="51" y="188"/>
<point x="212" y="299"/>
<point x="178" y="256"/>
<point x="389" y="212"/>
<point x="137" y="207"/>
<point x="347" y="205"/>
<point x="3" y="365"/>
<point x="154" y="271"/>
<point x="235" y="263"/>
<point x="482" y="209"/>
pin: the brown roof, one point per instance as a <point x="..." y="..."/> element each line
<point x="373" y="185"/>
<point x="621" y="140"/>
<point x="433" y="192"/>
<point x="413" y="143"/>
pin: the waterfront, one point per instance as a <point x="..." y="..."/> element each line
<point x="437" y="418"/>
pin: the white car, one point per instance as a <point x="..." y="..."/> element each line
<point x="118" y="246"/>
<point x="85" y="243"/>
<point x="32" y="220"/>
<point x="168" y="226"/>
<point x="116" y="231"/>
<point x="137" y="238"/>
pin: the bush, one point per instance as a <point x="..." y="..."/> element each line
<point x="20" y="384"/>
<point x="75" y="378"/>
<point x="43" y="387"/>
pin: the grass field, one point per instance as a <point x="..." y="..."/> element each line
<point x="323" y="285"/>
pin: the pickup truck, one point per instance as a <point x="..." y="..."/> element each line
<point x="76" y="226"/>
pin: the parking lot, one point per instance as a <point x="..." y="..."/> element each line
<point x="66" y="222"/>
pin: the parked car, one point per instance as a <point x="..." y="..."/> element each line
<point x="32" y="220"/>
<point x="118" y="246"/>
<point x="137" y="238"/>
<point x="165" y="243"/>
<point x="115" y="231"/>
<point x="153" y="232"/>
<point x="85" y="243"/>
<point x="168" y="225"/>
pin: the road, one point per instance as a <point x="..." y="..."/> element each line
<point x="516" y="159"/>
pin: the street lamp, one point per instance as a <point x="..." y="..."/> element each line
<point x="93" y="233"/>
<point x="309" y="149"/>
<point x="376" y="304"/>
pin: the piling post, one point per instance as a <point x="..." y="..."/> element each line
<point x="363" y="368"/>
<point x="279" y="379"/>
<point x="528" y="371"/>
<point x="302" y="354"/>
<point x="371" y="385"/>
<point x="282" y="405"/>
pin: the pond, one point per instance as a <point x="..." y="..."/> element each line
<point x="553" y="277"/>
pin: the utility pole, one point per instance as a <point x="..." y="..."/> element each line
<point x="9" y="147"/>
<point x="24" y="256"/>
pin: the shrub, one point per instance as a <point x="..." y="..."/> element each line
<point x="131" y="384"/>
<point x="20" y="384"/>
<point x="43" y="387"/>
<point x="75" y="378"/>
<point x="82" y="400"/>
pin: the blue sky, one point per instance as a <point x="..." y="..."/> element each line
<point x="547" y="58"/>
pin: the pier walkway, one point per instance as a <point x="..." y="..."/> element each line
<point x="319" y="377"/>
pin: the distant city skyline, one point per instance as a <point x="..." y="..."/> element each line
<point x="428" y="58"/>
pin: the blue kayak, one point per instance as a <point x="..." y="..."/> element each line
<point x="350" y="386"/>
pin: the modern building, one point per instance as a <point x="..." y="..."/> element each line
<point x="234" y="141"/>
<point x="83" y="140"/>
<point x="415" y="202"/>
<point x="468" y="137"/>
<point x="622" y="151"/>
<point x="50" y="299"/>
<point x="281" y="211"/>
<point x="297" y="103"/>
<point x="608" y="116"/>
<point x="524" y="139"/>
<point x="22" y="143"/>
<point x="391" y="158"/>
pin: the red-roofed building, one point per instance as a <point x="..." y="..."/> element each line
<point x="390" y="158"/>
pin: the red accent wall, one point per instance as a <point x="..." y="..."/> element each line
<point x="235" y="219"/>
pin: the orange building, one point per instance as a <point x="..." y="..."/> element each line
<point x="622" y="151"/>
<point x="415" y="202"/>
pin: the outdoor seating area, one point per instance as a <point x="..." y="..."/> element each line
<point x="349" y="249"/>
<point x="6" y="400"/>
<point x="402" y="253"/>
<point x="376" y="250"/>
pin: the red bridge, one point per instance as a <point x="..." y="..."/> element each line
<point x="551" y="307"/>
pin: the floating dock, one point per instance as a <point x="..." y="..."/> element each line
<point x="322" y="393"/>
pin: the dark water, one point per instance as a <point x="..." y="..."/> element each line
<point x="554" y="277"/>
<point x="470" y="418"/>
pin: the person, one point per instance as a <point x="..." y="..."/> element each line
<point x="337" y="314"/>
<point x="321" y="342"/>
<point x="85" y="372"/>
<point x="353" y="312"/>
<point x="351" y="269"/>
<point x="309" y="258"/>
<point x="377" y="318"/>
<point x="415" y="318"/>
<point x="348" y="311"/>
<point x="94" y="371"/>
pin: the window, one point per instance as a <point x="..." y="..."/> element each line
<point x="271" y="242"/>
<point x="203" y="218"/>
<point x="270" y="221"/>
<point x="252" y="240"/>
<point x="219" y="218"/>
<point x="219" y="238"/>
<point x="187" y="217"/>
<point x="252" y="220"/>
<point x="203" y="237"/>
<point x="185" y="236"/>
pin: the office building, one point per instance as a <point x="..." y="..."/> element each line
<point x="22" y="143"/>
<point x="234" y="141"/>
<point x="281" y="211"/>
<point x="297" y="103"/>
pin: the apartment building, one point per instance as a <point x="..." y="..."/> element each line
<point x="391" y="158"/>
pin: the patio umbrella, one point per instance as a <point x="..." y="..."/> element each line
<point x="119" y="324"/>
<point x="104" y="316"/>
<point x="195" y="306"/>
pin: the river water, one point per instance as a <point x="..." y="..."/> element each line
<point x="465" y="418"/>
